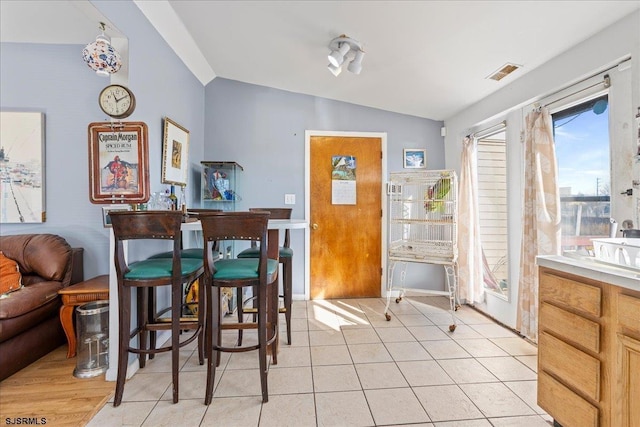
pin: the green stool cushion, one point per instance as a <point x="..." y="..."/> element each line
<point x="161" y="267"/>
<point x="255" y="253"/>
<point x="286" y="252"/>
<point x="229" y="269"/>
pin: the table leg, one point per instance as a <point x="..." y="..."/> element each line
<point x="66" y="318"/>
<point x="272" y="300"/>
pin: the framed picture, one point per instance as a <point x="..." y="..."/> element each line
<point x="106" y="219"/>
<point x="22" y="167"/>
<point x="415" y="158"/>
<point x="175" y="153"/>
<point x="118" y="163"/>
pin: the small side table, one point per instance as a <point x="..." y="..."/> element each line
<point x="90" y="290"/>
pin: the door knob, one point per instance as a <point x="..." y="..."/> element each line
<point x="314" y="226"/>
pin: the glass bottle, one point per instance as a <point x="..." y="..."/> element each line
<point x="173" y="198"/>
<point x="183" y="202"/>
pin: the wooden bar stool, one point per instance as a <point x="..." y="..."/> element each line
<point x="190" y="252"/>
<point x="285" y="258"/>
<point x="186" y="253"/>
<point x="256" y="273"/>
<point x="147" y="275"/>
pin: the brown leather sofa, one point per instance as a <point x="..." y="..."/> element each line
<point x="29" y="322"/>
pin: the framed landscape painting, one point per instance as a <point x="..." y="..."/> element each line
<point x="22" y="167"/>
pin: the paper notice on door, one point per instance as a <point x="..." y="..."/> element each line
<point x="343" y="192"/>
<point x="343" y="180"/>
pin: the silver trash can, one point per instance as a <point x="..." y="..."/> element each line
<point x="92" y="325"/>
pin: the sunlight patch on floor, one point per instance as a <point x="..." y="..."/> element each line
<point x="324" y="315"/>
<point x="349" y="315"/>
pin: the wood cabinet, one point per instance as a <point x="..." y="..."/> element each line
<point x="588" y="351"/>
<point x="626" y="383"/>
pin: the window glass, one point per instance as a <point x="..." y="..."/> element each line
<point x="492" y="210"/>
<point x="581" y="135"/>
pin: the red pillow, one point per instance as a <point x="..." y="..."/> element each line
<point x="10" y="277"/>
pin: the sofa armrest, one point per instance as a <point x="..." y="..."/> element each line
<point x="77" y="265"/>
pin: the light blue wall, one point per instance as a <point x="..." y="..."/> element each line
<point x="263" y="129"/>
<point x="164" y="87"/>
<point x="54" y="80"/>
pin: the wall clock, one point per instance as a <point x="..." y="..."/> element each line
<point x="117" y="101"/>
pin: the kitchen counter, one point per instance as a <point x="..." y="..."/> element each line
<point x="589" y="341"/>
<point x="625" y="277"/>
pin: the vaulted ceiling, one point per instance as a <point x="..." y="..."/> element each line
<point x="425" y="58"/>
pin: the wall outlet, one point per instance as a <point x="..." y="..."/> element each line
<point x="289" y="199"/>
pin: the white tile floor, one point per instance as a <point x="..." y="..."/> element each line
<point x="348" y="366"/>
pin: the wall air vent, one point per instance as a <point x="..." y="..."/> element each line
<point x="503" y="72"/>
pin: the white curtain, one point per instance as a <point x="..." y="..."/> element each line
<point x="541" y="215"/>
<point x="469" y="246"/>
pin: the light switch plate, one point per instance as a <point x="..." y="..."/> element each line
<point x="289" y="199"/>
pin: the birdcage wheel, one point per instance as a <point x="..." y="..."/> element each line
<point x="387" y="316"/>
<point x="452" y="328"/>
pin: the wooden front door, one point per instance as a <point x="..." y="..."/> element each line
<point x="345" y="244"/>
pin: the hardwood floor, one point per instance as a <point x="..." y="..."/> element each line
<point x="47" y="391"/>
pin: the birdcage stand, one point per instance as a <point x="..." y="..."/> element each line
<point x="423" y="229"/>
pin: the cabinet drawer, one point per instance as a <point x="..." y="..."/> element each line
<point x="564" y="405"/>
<point x="570" y="326"/>
<point x="573" y="367"/>
<point x="629" y="312"/>
<point x="581" y="297"/>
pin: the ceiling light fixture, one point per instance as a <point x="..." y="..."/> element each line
<point x="355" y="66"/>
<point x="345" y="48"/>
<point x="100" y="56"/>
<point x="335" y="70"/>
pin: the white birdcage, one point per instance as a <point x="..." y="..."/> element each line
<point x="423" y="209"/>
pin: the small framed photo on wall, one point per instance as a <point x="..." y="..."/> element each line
<point x="415" y="158"/>
<point x="106" y="219"/>
<point x="175" y="153"/>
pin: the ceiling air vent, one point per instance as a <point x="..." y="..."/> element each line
<point x="503" y="72"/>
